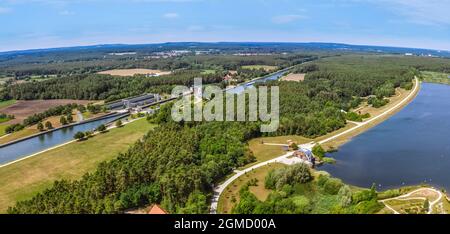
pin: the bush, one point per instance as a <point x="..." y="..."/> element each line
<point x="101" y="128"/>
<point x="322" y="180"/>
<point x="345" y="196"/>
<point x="352" y="116"/>
<point x="40" y="126"/>
<point x="88" y="134"/>
<point x="407" y="85"/>
<point x="14" y="128"/>
<point x="297" y="173"/>
<point x="48" y="125"/>
<point x="63" y="120"/>
<point x="377" y="102"/>
<point x="329" y="160"/>
<point x="364" y="195"/>
<point x="79" y="136"/>
<point x="368" y="207"/>
<point x="302" y="203"/>
<point x="318" y="151"/>
<point x="332" y="186"/>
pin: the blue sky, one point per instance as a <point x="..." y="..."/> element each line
<point x="29" y="24"/>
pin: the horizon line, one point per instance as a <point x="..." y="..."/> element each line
<point x="212" y="42"/>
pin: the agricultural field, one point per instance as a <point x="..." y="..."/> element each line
<point x="4" y="104"/>
<point x="132" y="72"/>
<point x="294" y="77"/>
<point x="22" y="109"/>
<point x="67" y="162"/>
<point x="258" y="67"/>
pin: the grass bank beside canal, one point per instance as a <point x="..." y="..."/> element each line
<point x="24" y="179"/>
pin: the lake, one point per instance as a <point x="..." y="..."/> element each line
<point x="410" y="148"/>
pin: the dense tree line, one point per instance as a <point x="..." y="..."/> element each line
<point x="102" y="87"/>
<point x="54" y="111"/>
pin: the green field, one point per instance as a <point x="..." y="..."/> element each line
<point x="24" y="179"/>
<point x="7" y="103"/>
<point x="436" y="77"/>
<point x="257" y="67"/>
<point x="208" y="72"/>
<point x="230" y="196"/>
<point x="2" y="129"/>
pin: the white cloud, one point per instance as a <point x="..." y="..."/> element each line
<point x="4" y="10"/>
<point x="171" y="15"/>
<point x="284" y="19"/>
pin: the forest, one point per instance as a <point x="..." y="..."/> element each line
<point x="102" y="87"/>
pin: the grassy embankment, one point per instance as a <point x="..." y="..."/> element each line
<point x="24" y="179"/>
<point x="2" y="105"/>
<point x="257" y="67"/>
<point x="435" y="77"/>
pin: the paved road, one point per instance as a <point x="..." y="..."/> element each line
<point x="217" y="191"/>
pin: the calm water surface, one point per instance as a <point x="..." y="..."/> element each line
<point x="33" y="145"/>
<point x="410" y="148"/>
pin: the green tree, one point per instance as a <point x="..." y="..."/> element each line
<point x="40" y="126"/>
<point x="88" y="134"/>
<point x="101" y="128"/>
<point x="69" y="118"/>
<point x="119" y="123"/>
<point x="197" y="204"/>
<point x="79" y="136"/>
<point x="345" y="196"/>
<point x="63" y="120"/>
<point x="48" y="125"/>
<point x="318" y="151"/>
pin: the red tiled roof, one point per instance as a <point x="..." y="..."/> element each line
<point x="155" y="209"/>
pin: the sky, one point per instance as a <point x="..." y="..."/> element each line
<point x="31" y="24"/>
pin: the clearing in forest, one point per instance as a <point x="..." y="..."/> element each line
<point x="136" y="71"/>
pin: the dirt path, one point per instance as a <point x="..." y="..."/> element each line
<point x="406" y="197"/>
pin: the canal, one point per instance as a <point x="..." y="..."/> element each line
<point x="242" y="87"/>
<point x="42" y="142"/>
